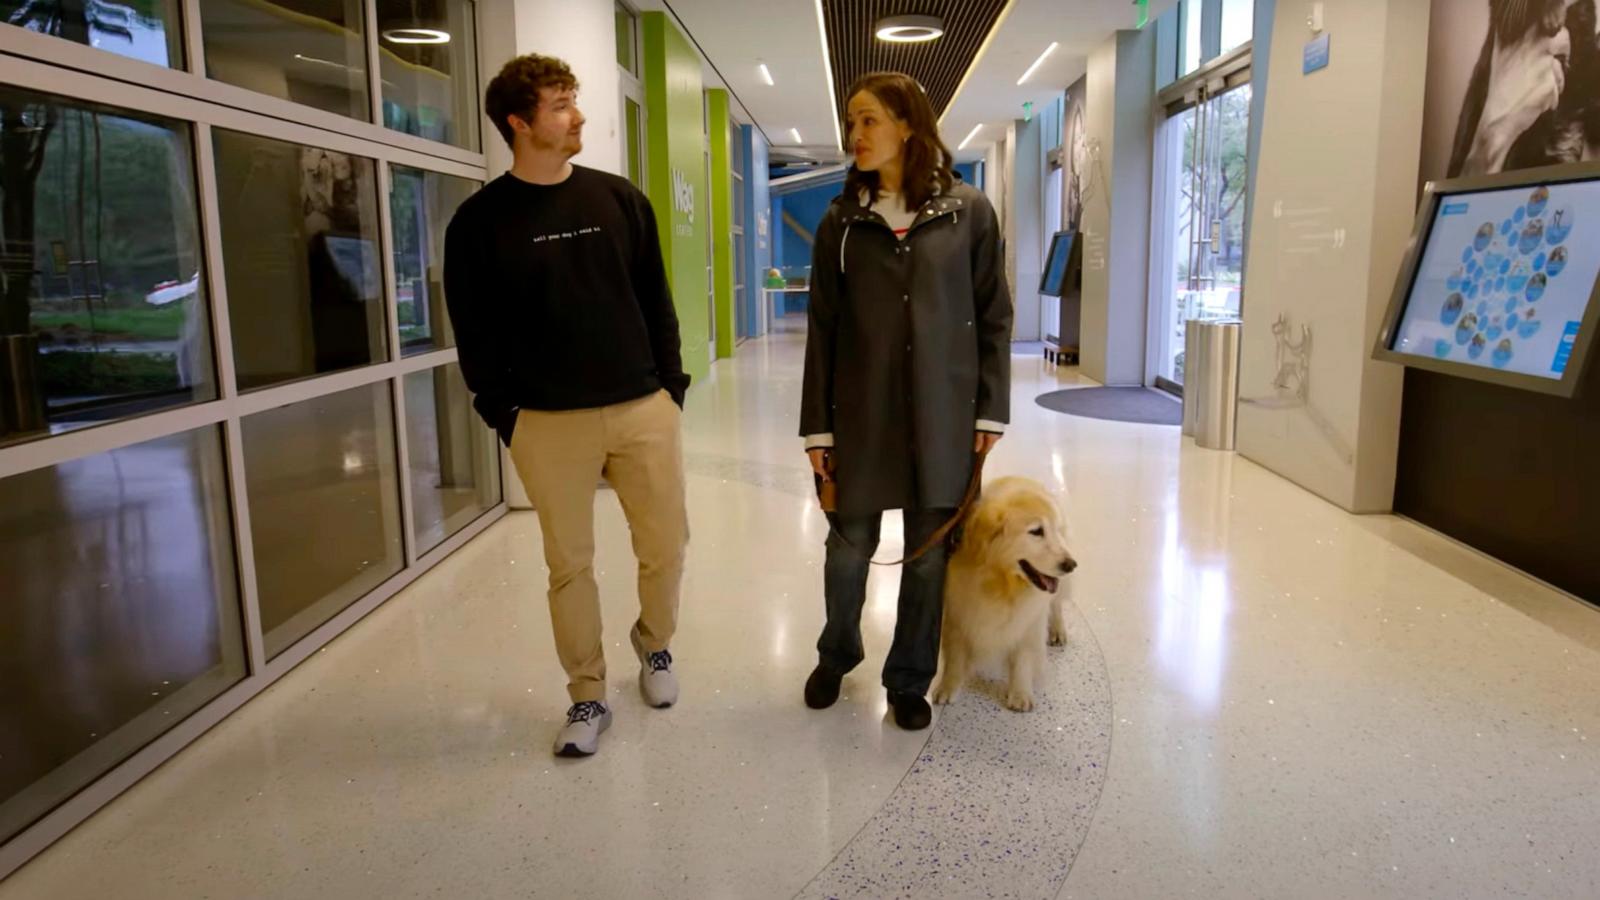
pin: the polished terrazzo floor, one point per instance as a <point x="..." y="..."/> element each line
<point x="1262" y="697"/>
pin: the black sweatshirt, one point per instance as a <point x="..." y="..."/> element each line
<point x="559" y="297"/>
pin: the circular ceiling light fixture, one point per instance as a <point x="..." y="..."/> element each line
<point x="910" y="29"/>
<point x="416" y="36"/>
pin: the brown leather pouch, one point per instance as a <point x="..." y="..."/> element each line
<point x="827" y="488"/>
<point x="827" y="494"/>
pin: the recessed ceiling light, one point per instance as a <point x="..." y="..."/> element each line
<point x="910" y="29"/>
<point x="975" y="129"/>
<point x="766" y="75"/>
<point x="827" y="68"/>
<point x="1038" y="62"/>
<point x="795" y="132"/>
<point x="416" y="36"/>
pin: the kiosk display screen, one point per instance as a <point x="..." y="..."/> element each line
<point x="1505" y="279"/>
<point x="1055" y="269"/>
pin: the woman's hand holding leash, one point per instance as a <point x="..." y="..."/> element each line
<point x="821" y="464"/>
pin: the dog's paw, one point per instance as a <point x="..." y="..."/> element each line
<point x="1019" y="700"/>
<point x="1058" y="635"/>
<point x="944" y="693"/>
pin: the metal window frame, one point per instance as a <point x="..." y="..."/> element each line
<point x="1217" y="77"/>
<point x="23" y="44"/>
<point x="635" y="44"/>
<point x="76" y="73"/>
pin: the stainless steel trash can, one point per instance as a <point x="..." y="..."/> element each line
<point x="1191" y="371"/>
<point x="1216" y="393"/>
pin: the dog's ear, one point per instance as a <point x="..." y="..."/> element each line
<point x="984" y="525"/>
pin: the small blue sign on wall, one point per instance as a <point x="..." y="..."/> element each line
<point x="1317" y="54"/>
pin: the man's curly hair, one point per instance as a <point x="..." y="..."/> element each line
<point x="515" y="91"/>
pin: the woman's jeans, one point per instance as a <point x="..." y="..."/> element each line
<point x="914" y="656"/>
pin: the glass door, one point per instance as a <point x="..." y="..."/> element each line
<point x="1202" y="183"/>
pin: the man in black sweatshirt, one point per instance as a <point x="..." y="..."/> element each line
<point x="569" y="342"/>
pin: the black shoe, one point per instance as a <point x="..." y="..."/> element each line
<point x="822" y="688"/>
<point x="911" y="711"/>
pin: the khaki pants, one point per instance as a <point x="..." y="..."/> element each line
<point x="561" y="456"/>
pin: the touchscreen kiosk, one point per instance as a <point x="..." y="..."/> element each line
<point x="1500" y="281"/>
<point x="1054" y="282"/>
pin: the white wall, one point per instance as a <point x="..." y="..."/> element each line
<point x="1024" y="252"/>
<point x="584" y="34"/>
<point x="994" y="175"/>
<point x="1116" y="216"/>
<point x="1334" y="203"/>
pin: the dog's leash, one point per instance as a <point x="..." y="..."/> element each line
<point x="974" y="487"/>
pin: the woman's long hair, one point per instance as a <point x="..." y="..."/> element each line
<point x="927" y="166"/>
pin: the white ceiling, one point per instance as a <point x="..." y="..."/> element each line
<point x="991" y="95"/>
<point x="738" y="35"/>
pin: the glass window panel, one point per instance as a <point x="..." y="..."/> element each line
<point x="146" y="30"/>
<point x="633" y="113"/>
<point x="429" y="61"/>
<point x="324" y="497"/>
<point x="300" y="252"/>
<point x="1238" y="23"/>
<point x="312" y="52"/>
<point x="103" y="309"/>
<point x="119" y="597"/>
<point x="1192" y="19"/>
<point x="421" y="205"/>
<point x="455" y="458"/>
<point x="627" y="58"/>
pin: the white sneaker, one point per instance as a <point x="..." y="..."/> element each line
<point x="656" y="681"/>
<point x="585" y="722"/>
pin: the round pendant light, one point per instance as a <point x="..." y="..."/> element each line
<point x="910" y="29"/>
<point x="416" y="36"/>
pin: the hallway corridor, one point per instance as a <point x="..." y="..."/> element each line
<point x="1261" y="697"/>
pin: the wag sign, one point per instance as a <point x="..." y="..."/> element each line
<point x="683" y="201"/>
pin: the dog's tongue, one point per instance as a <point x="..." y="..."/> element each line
<point x="1040" y="580"/>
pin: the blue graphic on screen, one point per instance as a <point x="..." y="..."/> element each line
<point x="1483" y="291"/>
<point x="1055" y="272"/>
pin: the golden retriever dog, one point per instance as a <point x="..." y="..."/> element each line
<point x="1002" y="598"/>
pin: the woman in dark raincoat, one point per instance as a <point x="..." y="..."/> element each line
<point x="907" y="376"/>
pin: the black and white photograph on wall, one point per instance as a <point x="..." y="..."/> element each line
<point x="1512" y="84"/>
<point x="1074" y="153"/>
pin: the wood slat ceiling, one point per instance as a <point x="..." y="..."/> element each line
<point x="854" y="49"/>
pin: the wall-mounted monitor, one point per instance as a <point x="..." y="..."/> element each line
<point x="1054" y="281"/>
<point x="1501" y="279"/>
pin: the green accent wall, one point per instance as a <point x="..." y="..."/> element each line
<point x="722" y="219"/>
<point x="674" y="98"/>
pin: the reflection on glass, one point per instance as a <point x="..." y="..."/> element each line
<point x="1238" y="23"/>
<point x="627" y="57"/>
<point x="1192" y="17"/>
<point x="300" y="252"/>
<point x="455" y="469"/>
<point x="309" y="53"/>
<point x="119" y="599"/>
<point x="429" y="60"/>
<point x="421" y="205"/>
<point x="102" y="303"/>
<point x="324" y="507"/>
<point x="632" y="115"/>
<point x="139" y="29"/>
